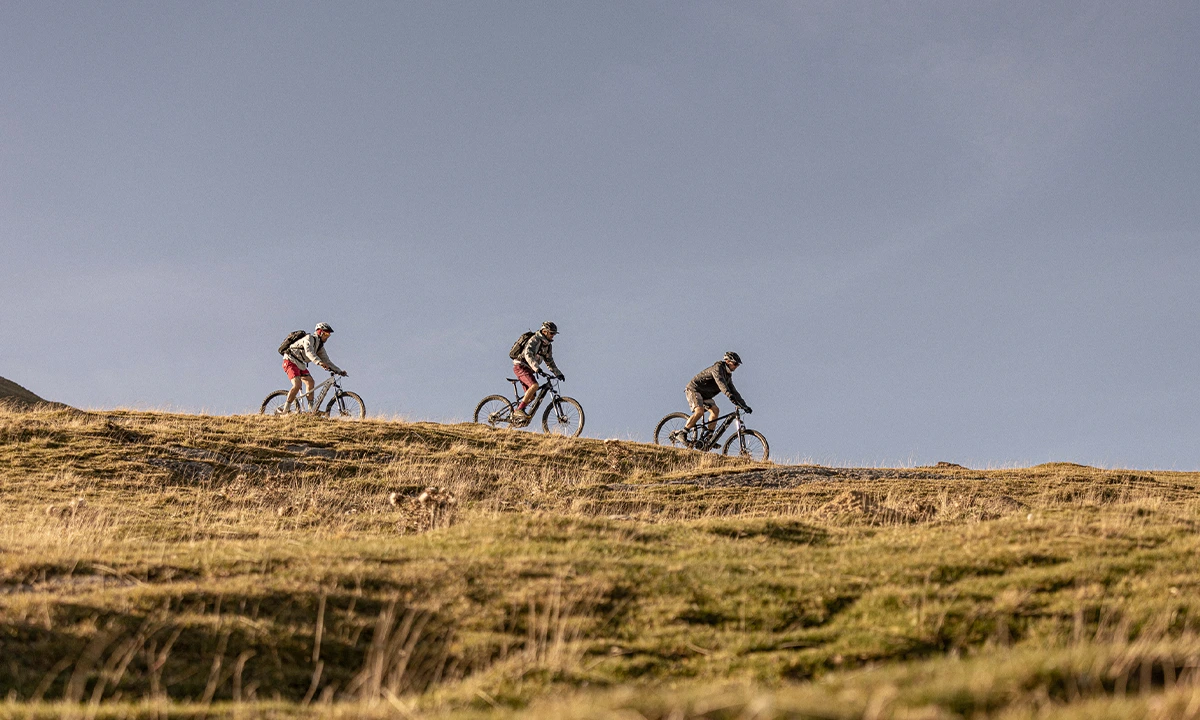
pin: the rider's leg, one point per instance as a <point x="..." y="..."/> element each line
<point x="712" y="417"/>
<point x="296" y="374"/>
<point x="309" y="386"/>
<point x="698" y="406"/>
<point x="525" y="375"/>
<point x="291" y="396"/>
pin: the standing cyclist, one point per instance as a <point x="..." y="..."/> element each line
<point x="537" y="349"/>
<point x="310" y="348"/>
<point x="704" y="387"/>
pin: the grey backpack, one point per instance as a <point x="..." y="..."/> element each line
<point x="292" y="337"/>
<point x="518" y="348"/>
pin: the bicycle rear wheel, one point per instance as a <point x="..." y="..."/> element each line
<point x="274" y="404"/>
<point x="346" y="406"/>
<point x="756" y="448"/>
<point x="563" y="416"/>
<point x="668" y="425"/>
<point x="493" y="411"/>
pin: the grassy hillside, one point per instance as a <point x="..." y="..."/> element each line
<point x="155" y="564"/>
<point x="15" y="397"/>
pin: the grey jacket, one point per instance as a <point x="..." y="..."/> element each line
<point x="537" y="349"/>
<point x="716" y="379"/>
<point x="310" y="349"/>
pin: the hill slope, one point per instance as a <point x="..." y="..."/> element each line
<point x="154" y="563"/>
<point x="12" y="392"/>
<point x="14" y="396"/>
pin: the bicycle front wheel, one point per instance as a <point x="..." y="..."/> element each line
<point x="346" y="406"/>
<point x="493" y="411"/>
<point x="275" y="404"/>
<point x="755" y="447"/>
<point x="668" y="425"/>
<point x="564" y="416"/>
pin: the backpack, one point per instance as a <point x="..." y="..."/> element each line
<point x="518" y="347"/>
<point x="292" y="337"/>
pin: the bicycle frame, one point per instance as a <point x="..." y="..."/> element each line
<point x="712" y="438"/>
<point x="541" y="392"/>
<point x="324" y="387"/>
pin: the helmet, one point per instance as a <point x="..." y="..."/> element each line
<point x="550" y="326"/>
<point x="323" y="326"/>
<point x="733" y="357"/>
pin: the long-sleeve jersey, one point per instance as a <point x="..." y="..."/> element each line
<point x="537" y="349"/>
<point x="310" y="349"/>
<point x="713" y="380"/>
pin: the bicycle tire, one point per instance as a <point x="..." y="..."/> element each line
<point x="563" y="420"/>
<point x="496" y="411"/>
<point x="664" y="428"/>
<point x="274" y="403"/>
<point x="351" y="406"/>
<point x="752" y="449"/>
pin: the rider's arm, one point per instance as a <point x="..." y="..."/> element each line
<point x="324" y="361"/>
<point x="725" y="384"/>
<point x="530" y="353"/>
<point x="548" y="355"/>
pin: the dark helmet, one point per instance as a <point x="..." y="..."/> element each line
<point x="733" y="357"/>
<point x="325" y="327"/>
<point x="550" y="326"/>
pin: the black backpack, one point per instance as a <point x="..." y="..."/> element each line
<point x="518" y="347"/>
<point x="292" y="337"/>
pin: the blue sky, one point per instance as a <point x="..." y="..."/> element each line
<point x="934" y="231"/>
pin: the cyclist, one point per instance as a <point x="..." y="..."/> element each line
<point x="537" y="349"/>
<point x="704" y="387"/>
<point x="310" y="348"/>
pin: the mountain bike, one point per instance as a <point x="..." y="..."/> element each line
<point x="746" y="443"/>
<point x="344" y="405"/>
<point x="563" y="416"/>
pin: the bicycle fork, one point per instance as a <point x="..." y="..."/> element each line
<point x="558" y="413"/>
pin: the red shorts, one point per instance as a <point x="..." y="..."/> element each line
<point x="525" y="374"/>
<point x="293" y="370"/>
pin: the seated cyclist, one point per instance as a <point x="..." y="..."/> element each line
<point x="537" y="349"/>
<point x="704" y="387"/>
<point x="310" y="348"/>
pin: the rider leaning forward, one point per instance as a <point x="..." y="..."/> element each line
<point x="537" y="349"/>
<point x="310" y="348"/>
<point x="705" y="386"/>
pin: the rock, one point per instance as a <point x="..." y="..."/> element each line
<point x="309" y="451"/>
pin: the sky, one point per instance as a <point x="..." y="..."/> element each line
<point x="934" y="231"/>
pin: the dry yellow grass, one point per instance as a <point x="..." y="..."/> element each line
<point x="157" y="564"/>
